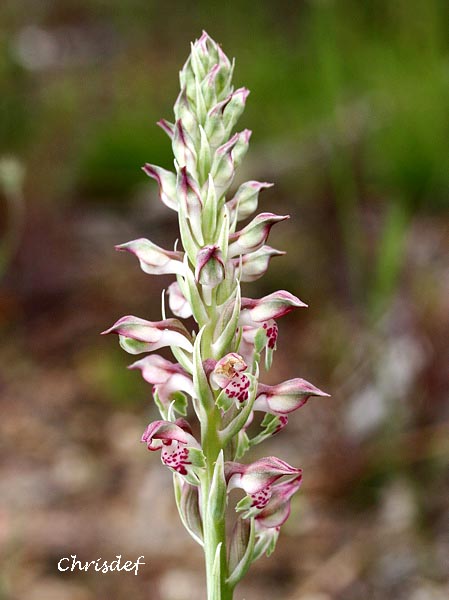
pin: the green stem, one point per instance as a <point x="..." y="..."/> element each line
<point x="214" y="526"/>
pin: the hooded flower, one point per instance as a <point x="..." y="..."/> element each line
<point x="137" y="335"/>
<point x="229" y="375"/>
<point x="277" y="510"/>
<point x="273" y="306"/>
<point x="210" y="268"/>
<point x="285" y="397"/>
<point x="153" y="259"/>
<point x="259" y="329"/>
<point x="261" y="480"/>
<point x="180" y="450"/>
<point x="167" y="378"/>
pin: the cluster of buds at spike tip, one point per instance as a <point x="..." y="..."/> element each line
<point x="214" y="382"/>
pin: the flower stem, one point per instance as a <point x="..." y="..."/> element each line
<point x="214" y="525"/>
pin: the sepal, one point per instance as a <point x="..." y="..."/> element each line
<point x="166" y="126"/>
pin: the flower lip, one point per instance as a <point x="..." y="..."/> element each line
<point x="277" y="510"/>
<point x="227" y="368"/>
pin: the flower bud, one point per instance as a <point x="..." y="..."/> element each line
<point x="254" y="235"/>
<point x="184" y="148"/>
<point x="189" y="195"/>
<point x="167" y="184"/>
<point x="210" y="268"/>
<point x="245" y="201"/>
<point x="185" y="115"/>
<point x="255" y="264"/>
<point x="223" y="169"/>
<point x="241" y="147"/>
<point x="177" y="302"/>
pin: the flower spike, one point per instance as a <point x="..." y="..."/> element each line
<point x="214" y="379"/>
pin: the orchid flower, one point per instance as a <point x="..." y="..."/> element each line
<point x="214" y="380"/>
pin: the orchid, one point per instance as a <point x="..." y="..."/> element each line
<point x="215" y="379"/>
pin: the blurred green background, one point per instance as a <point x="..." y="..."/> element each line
<point x="349" y="112"/>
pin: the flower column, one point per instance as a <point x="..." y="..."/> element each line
<point x="218" y="365"/>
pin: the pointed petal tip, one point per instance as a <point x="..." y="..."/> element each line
<point x="149" y="170"/>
